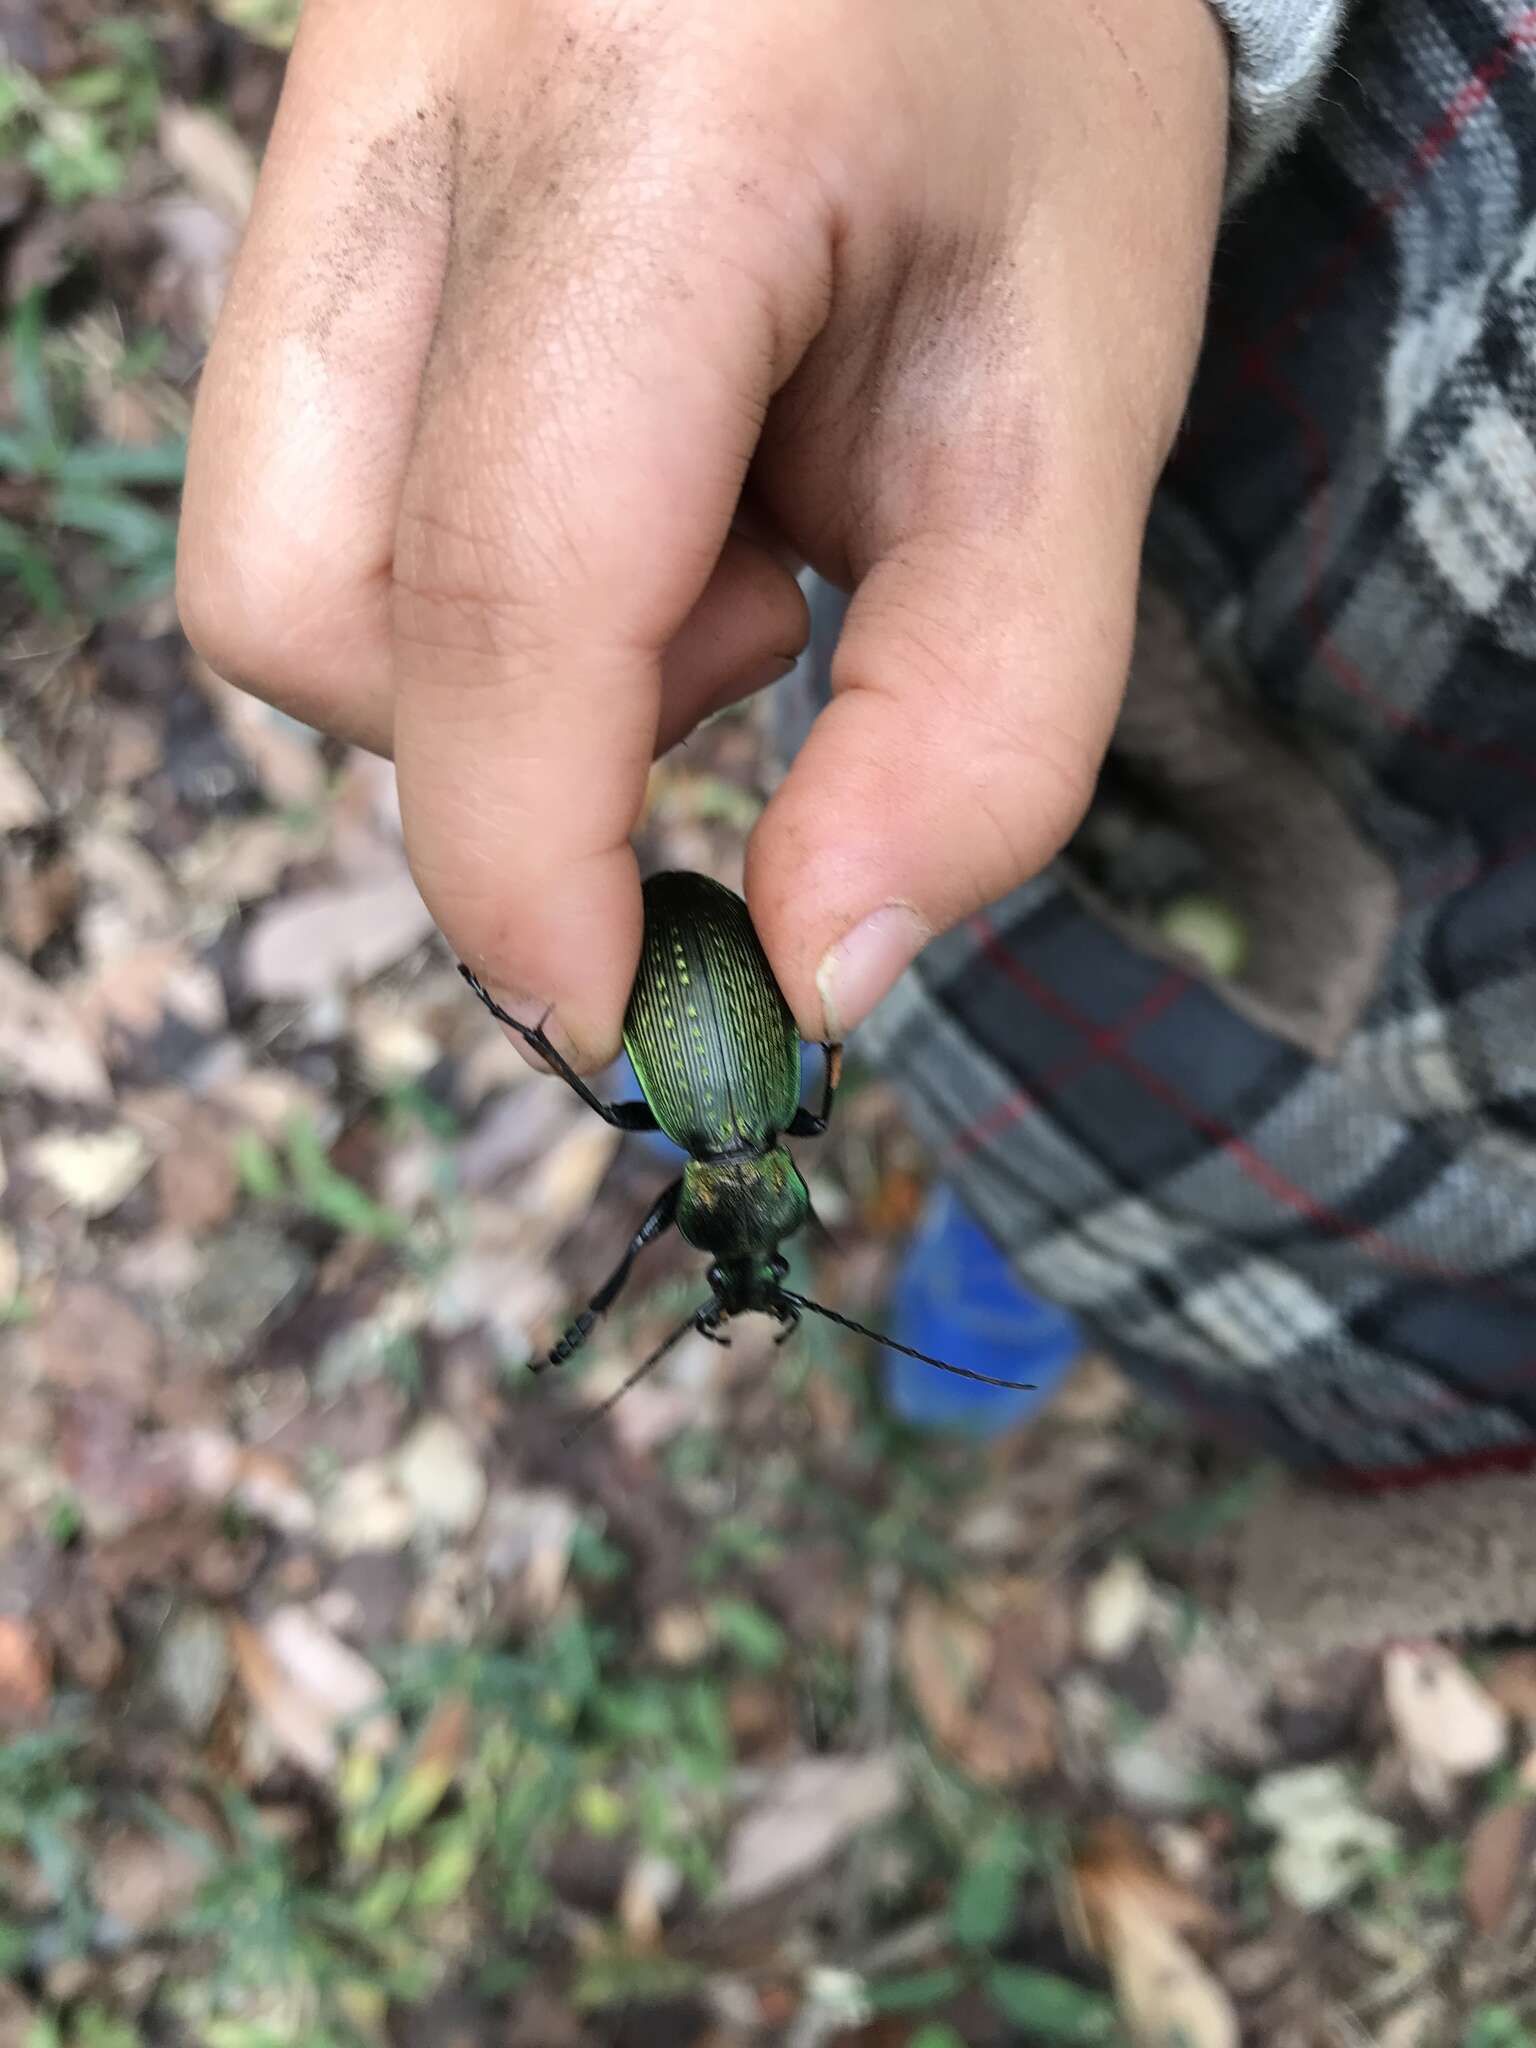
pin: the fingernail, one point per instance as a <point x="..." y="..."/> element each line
<point x="864" y="966"/>
<point x="538" y="1017"/>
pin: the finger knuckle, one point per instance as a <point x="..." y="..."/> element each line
<point x="249" y="616"/>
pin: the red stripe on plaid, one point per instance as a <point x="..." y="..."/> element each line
<point x="1464" y="1465"/>
<point x="1462" y="872"/>
<point x="1468" y="99"/>
<point x="1261" y="1171"/>
<point x="1473" y="94"/>
<point x="1103" y="1040"/>
<point x="1350" y="678"/>
<point x="1256" y="369"/>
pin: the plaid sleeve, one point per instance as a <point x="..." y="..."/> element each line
<point x="1330" y="1250"/>
<point x="1280" y="54"/>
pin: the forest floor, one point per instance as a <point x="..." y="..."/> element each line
<point x="342" y="1699"/>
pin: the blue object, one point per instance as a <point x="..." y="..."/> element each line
<point x="958" y="1298"/>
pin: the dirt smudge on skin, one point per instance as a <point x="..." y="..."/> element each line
<point x="402" y="197"/>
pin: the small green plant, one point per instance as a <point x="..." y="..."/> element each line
<point x="1497" y="2026"/>
<point x="77" y="133"/>
<point x="85" y="486"/>
<point x="291" y="1959"/>
<point x="272" y="22"/>
<point x="992" y="1860"/>
<point x="44" y="1799"/>
<point x="304" y="1175"/>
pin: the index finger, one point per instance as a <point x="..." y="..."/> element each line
<point x="587" y="419"/>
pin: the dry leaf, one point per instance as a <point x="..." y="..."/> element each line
<point x="285" y="755"/>
<point x="1115" y="1609"/>
<point x="142" y="1878"/>
<point x="20" y="2022"/>
<point x="91" y="1170"/>
<point x="21" y="801"/>
<point x="807" y="1813"/>
<point x="651" y="1883"/>
<point x="367" y="1510"/>
<point x="130" y="900"/>
<point x="435" y="1762"/>
<point x="944" y="1654"/>
<point x="1447" y="1725"/>
<point x="91" y="1338"/>
<point x="26" y="1674"/>
<point x="441" y="1476"/>
<point x="1166" y="1995"/>
<point x="528" y="1539"/>
<point x="41" y="1043"/>
<point x="84" y="1630"/>
<point x="681" y="1634"/>
<point x="241" y="859"/>
<point x="313" y="944"/>
<point x="1417" y="2025"/>
<point x="268" y="1489"/>
<point x="1113" y="1863"/>
<point x="1135" y="1915"/>
<point x="195" y="1178"/>
<point x="1327" y="1840"/>
<point x="122" y="1476"/>
<point x="1498" y="1856"/>
<point x="558" y="1191"/>
<point x="138" y="988"/>
<point x="210" y="156"/>
<point x="310" y="1691"/>
<point x="38" y="895"/>
<point x="974" y="1670"/>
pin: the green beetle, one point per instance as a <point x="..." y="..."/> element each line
<point x="717" y="1055"/>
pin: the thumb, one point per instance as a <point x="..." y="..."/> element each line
<point x="975" y="687"/>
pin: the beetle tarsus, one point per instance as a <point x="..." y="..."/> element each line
<point x="573" y="1338"/>
<point x="695" y="1321"/>
<point x="808" y="1124"/>
<point x="789" y="1316"/>
<point x="624" y="1116"/>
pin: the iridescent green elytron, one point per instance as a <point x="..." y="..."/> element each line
<point x="715" y="1050"/>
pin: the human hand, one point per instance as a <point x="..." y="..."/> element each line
<point x="535" y="298"/>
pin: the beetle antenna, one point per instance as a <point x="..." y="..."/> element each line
<point x="689" y="1322"/>
<point x="961" y="1372"/>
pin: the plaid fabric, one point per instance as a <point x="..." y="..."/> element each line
<point x="1279" y="51"/>
<point x="1336" y="1258"/>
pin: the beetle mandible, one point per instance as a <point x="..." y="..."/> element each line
<point x="716" y="1052"/>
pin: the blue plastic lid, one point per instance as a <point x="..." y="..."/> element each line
<point x="958" y="1298"/>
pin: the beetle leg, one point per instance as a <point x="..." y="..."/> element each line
<point x="711" y="1316"/>
<point x="692" y="1322"/>
<point x="789" y="1316"/>
<point x="662" y="1215"/>
<point x="624" y="1116"/>
<point x="806" y="1125"/>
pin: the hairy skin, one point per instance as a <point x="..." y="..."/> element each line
<point x="564" y="328"/>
